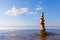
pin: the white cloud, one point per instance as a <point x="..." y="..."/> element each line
<point x="39" y="4"/>
<point x="39" y="8"/>
<point x="14" y="11"/>
<point x="31" y="13"/>
<point x="23" y="10"/>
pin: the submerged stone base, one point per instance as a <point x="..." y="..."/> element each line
<point x="44" y="33"/>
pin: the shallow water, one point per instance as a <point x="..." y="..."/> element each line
<point x="30" y="34"/>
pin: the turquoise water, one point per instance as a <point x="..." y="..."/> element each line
<point x="28" y="33"/>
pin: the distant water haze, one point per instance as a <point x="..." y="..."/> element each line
<point x="28" y="27"/>
<point x="20" y="28"/>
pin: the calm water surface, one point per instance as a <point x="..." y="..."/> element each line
<point x="28" y="33"/>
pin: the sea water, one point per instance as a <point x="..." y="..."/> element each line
<point x="28" y="33"/>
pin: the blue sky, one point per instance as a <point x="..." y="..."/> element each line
<point x="27" y="12"/>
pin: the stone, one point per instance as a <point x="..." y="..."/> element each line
<point x="42" y="26"/>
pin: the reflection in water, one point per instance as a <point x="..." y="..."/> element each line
<point x="42" y="35"/>
<point x="30" y="35"/>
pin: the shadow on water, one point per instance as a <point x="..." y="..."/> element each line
<point x="44" y="34"/>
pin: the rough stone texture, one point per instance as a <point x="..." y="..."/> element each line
<point x="42" y="27"/>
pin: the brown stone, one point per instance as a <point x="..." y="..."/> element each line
<point x="42" y="26"/>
